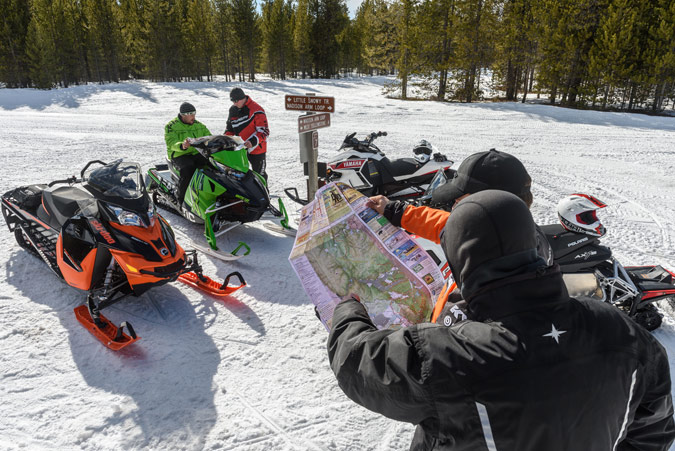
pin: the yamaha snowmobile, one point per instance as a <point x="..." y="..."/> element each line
<point x="220" y="196"/>
<point x="100" y="233"/>
<point x="362" y="165"/>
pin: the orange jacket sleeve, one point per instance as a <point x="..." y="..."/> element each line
<point x="425" y="221"/>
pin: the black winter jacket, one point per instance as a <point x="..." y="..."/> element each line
<point x="534" y="370"/>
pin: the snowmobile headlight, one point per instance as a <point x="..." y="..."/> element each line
<point x="127" y="217"/>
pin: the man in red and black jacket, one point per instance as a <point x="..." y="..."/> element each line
<point x="247" y="120"/>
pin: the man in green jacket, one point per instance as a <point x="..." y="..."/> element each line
<point x="185" y="158"/>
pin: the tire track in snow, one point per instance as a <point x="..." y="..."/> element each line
<point x="666" y="242"/>
<point x="278" y="429"/>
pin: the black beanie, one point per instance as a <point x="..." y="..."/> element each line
<point x="489" y="235"/>
<point x="237" y="94"/>
<point x="187" y="108"/>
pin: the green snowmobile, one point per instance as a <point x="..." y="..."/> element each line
<point x="222" y="195"/>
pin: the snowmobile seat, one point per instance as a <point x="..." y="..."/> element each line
<point x="564" y="242"/>
<point x="401" y="166"/>
<point x="174" y="170"/>
<point x="652" y="278"/>
<point x="60" y="204"/>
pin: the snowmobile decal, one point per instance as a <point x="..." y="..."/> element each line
<point x="348" y="164"/>
<point x="102" y="231"/>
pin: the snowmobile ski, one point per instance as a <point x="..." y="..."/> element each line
<point x="283" y="226"/>
<point x="106" y="332"/>
<point x="216" y="253"/>
<point x="210" y="286"/>
<point x="288" y="231"/>
<point x="222" y="255"/>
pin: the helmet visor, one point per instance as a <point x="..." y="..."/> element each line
<point x="587" y="217"/>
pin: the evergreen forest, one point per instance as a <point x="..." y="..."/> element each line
<point x="606" y="54"/>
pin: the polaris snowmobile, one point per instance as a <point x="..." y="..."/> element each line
<point x="220" y="196"/>
<point x="100" y="233"/>
<point x="362" y="165"/>
<point x="588" y="267"/>
<point x="584" y="262"/>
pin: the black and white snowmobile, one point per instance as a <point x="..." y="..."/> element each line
<point x="589" y="268"/>
<point x="222" y="195"/>
<point x="100" y="233"/>
<point x="362" y="165"/>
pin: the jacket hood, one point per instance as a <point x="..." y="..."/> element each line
<point x="489" y="236"/>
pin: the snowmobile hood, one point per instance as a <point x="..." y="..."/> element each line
<point x="489" y="236"/>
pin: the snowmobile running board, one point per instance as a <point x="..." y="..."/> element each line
<point x="210" y="286"/>
<point x="111" y="336"/>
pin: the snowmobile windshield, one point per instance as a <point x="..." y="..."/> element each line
<point x="117" y="179"/>
<point x="234" y="159"/>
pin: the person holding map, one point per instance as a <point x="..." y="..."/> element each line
<point x="533" y="369"/>
<point x="483" y="170"/>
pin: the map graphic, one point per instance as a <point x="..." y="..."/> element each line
<point x="343" y="247"/>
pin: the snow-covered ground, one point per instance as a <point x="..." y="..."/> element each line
<point x="251" y="373"/>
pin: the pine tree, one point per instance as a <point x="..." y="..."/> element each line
<point x="330" y="19"/>
<point x="199" y="42"/>
<point x="134" y="40"/>
<point x="381" y="48"/>
<point x="13" y="33"/>
<point x="161" y="23"/>
<point x="277" y="36"/>
<point x="301" y="37"/>
<point x="516" y="47"/>
<point x="104" y="39"/>
<point x="475" y="43"/>
<point x="51" y="49"/>
<point x="225" y="34"/>
<point x="406" y="36"/>
<point x="246" y="37"/>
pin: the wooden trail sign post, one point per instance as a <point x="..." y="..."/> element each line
<point x="317" y="116"/>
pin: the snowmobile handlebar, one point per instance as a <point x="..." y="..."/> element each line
<point x="89" y="164"/>
<point x="69" y="181"/>
<point x="364" y="146"/>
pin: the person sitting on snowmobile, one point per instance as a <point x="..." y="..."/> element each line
<point x="532" y="370"/>
<point x="185" y="159"/>
<point x="483" y="170"/>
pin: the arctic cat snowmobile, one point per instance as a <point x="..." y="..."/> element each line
<point x="363" y="166"/>
<point x="100" y="233"/>
<point x="222" y="195"/>
<point x="588" y="267"/>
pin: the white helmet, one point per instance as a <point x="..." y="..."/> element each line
<point x="423" y="151"/>
<point x="577" y="214"/>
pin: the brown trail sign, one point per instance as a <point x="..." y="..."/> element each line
<point x="310" y="103"/>
<point x="313" y="122"/>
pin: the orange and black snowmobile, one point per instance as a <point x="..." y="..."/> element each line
<point x="100" y="233"/>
